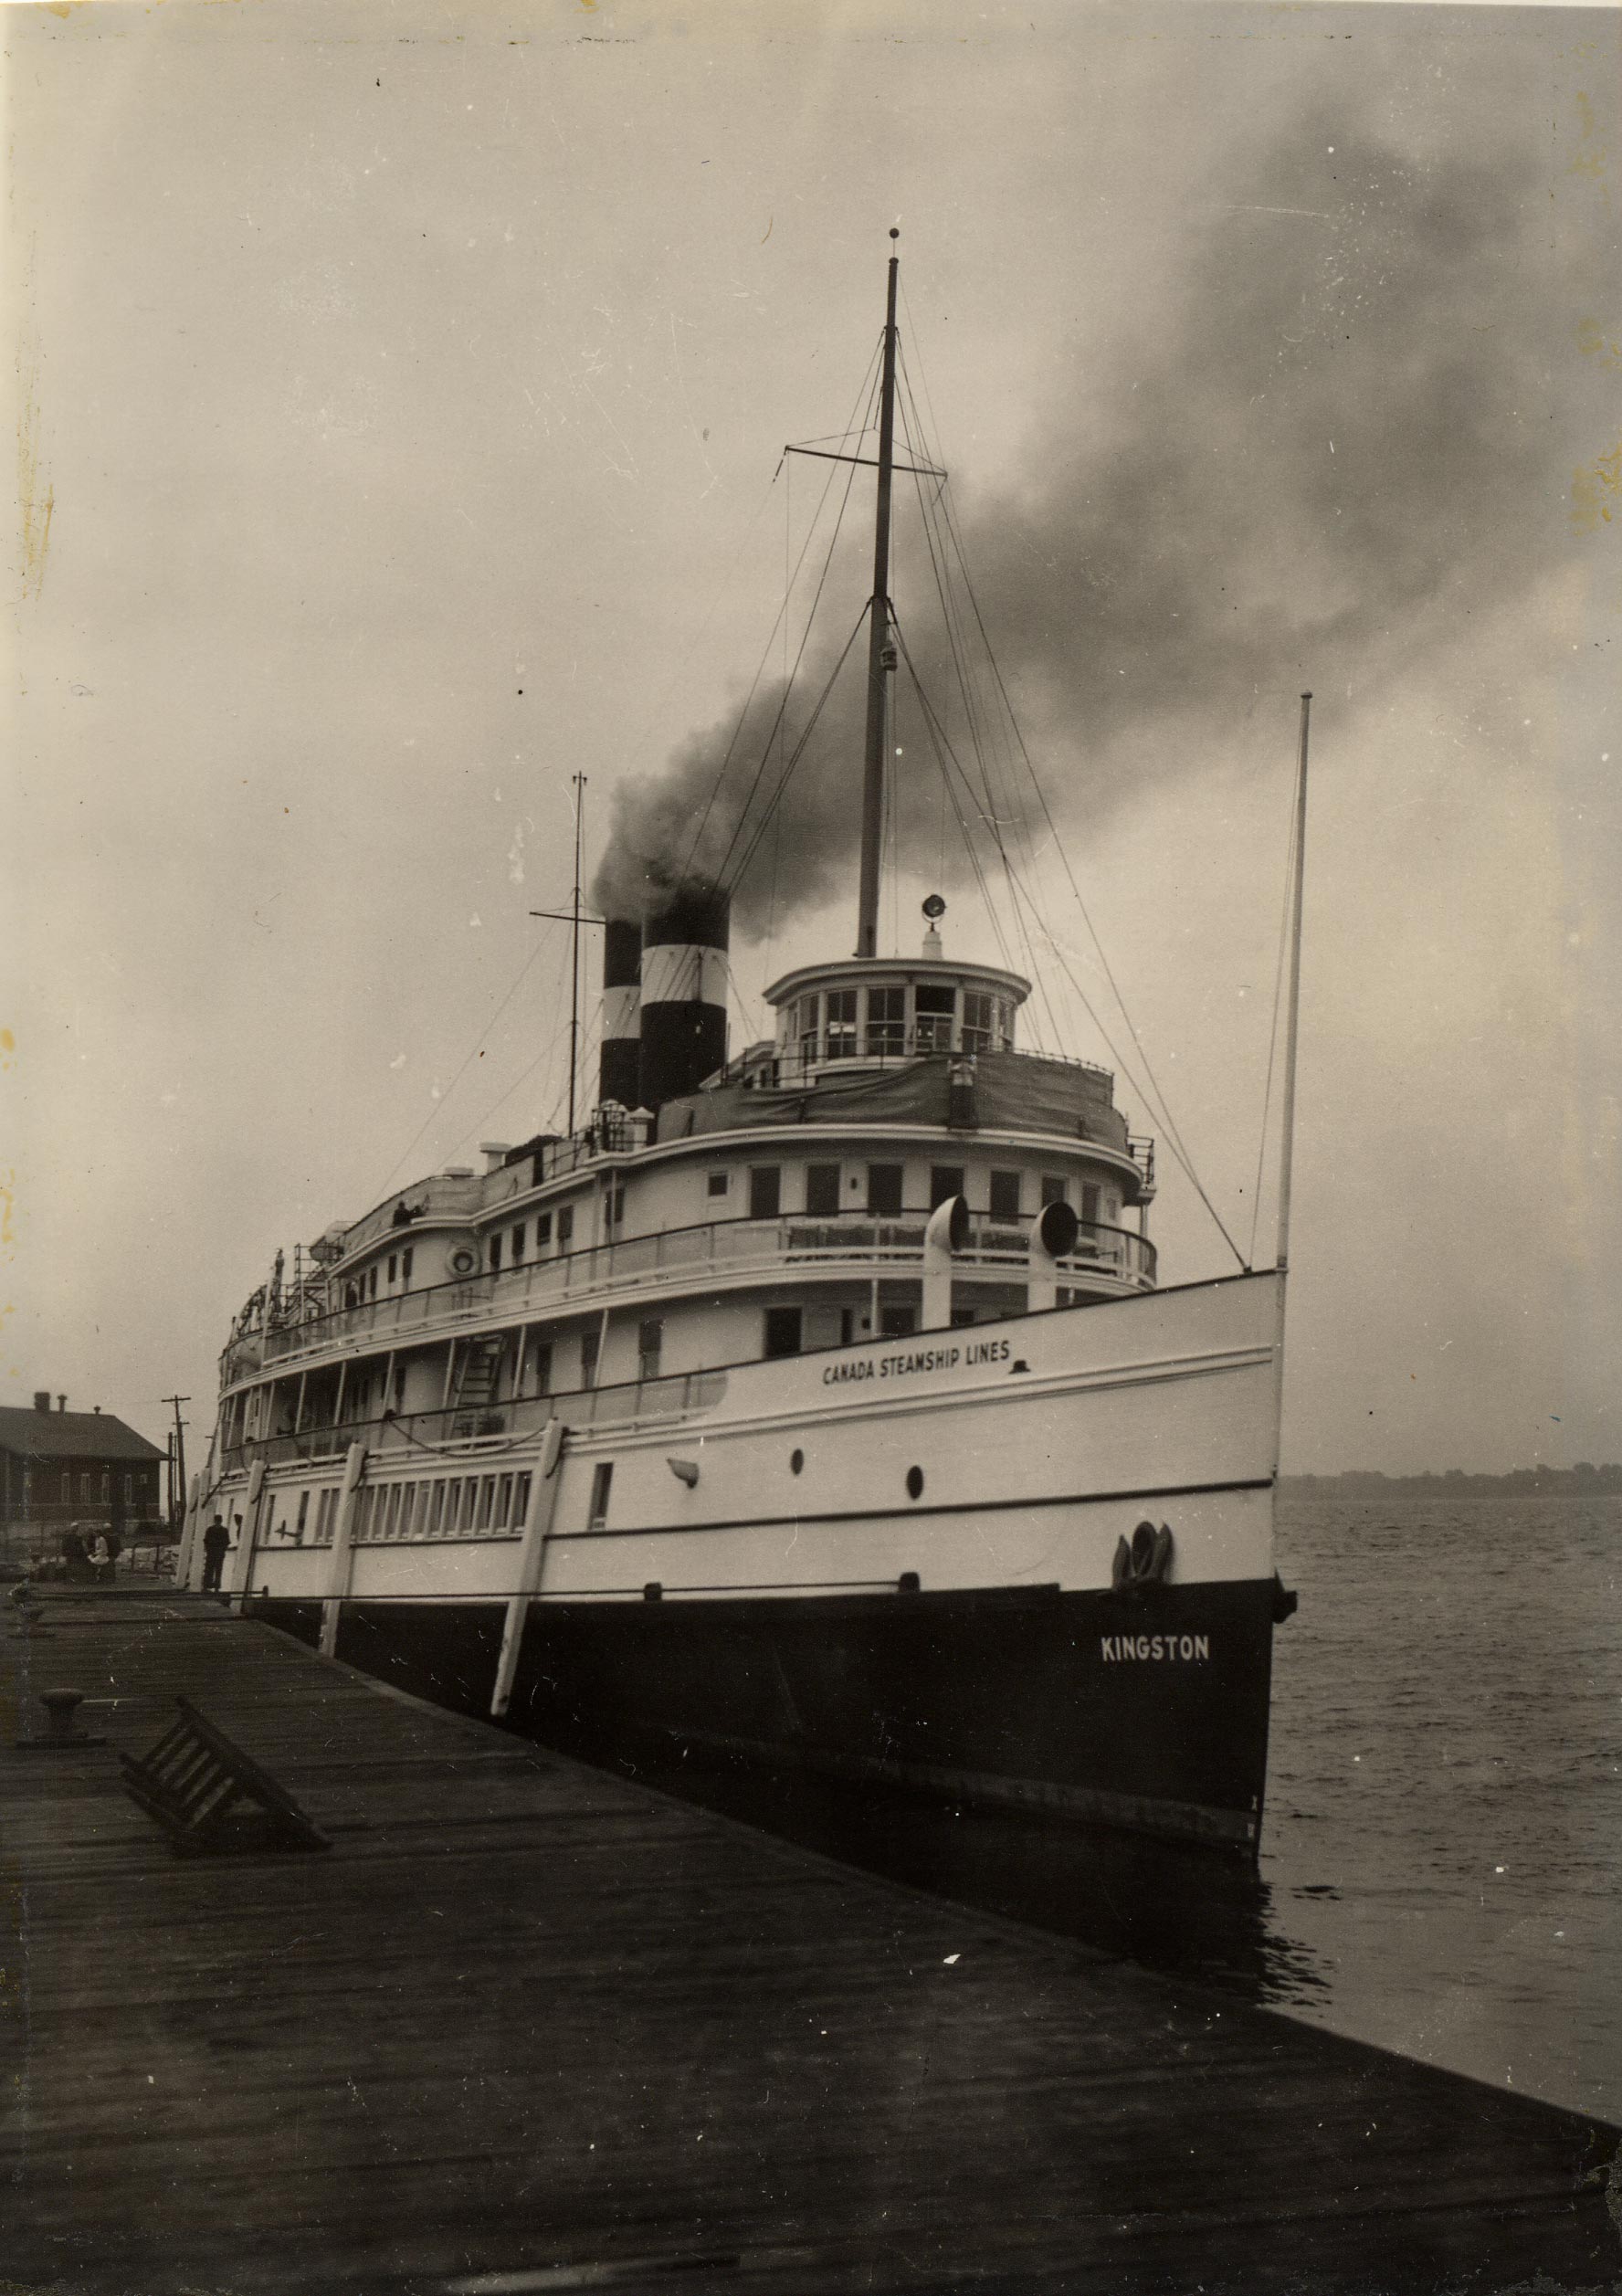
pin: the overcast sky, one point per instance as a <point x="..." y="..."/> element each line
<point x="406" y="387"/>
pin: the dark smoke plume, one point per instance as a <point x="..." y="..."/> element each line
<point x="1340" y="447"/>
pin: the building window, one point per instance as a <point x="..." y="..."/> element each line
<point x="84" y="1490"/>
<point x="66" y="1487"/>
<point x="518" y="1243"/>
<point x="841" y="1024"/>
<point x="822" y="1190"/>
<point x="884" y="1190"/>
<point x="601" y="1484"/>
<point x="1005" y="1196"/>
<point x="782" y="1332"/>
<point x="590" y="1342"/>
<point x="1055" y="1188"/>
<point x="107" y="1485"/>
<point x="565" y="1227"/>
<point x="543" y="1230"/>
<point x="946" y="1180"/>
<point x="128" y="1490"/>
<point x="716" y="1184"/>
<point x="650" y="1340"/>
<point x="495" y="1252"/>
<point x="766" y="1191"/>
<point x="934" y="1009"/>
<point x="405" y="1265"/>
<point x="887" y="1022"/>
<point x="543" y="1368"/>
<point x="1089" y="1203"/>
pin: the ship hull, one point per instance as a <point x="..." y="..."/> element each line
<point x="904" y="1564"/>
<point x="1145" y="1710"/>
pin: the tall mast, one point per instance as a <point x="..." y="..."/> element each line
<point x="1292" y="1027"/>
<point x="880" y="653"/>
<point x="574" y="952"/>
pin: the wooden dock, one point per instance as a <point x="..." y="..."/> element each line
<point x="528" y="2027"/>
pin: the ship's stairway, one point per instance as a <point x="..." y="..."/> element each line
<point x="473" y="1394"/>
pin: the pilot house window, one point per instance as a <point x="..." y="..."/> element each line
<point x="887" y="1022"/>
<point x="841" y="1024"/>
<point x="934" y="1007"/>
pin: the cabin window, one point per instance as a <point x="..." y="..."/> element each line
<point x="590" y="1345"/>
<point x="896" y="1321"/>
<point x="495" y="1251"/>
<point x="565" y="1227"/>
<point x="372" y="1285"/>
<point x="946" y="1180"/>
<point x="543" y="1230"/>
<point x="716" y="1184"/>
<point x="809" y="1015"/>
<point x="884" y="1190"/>
<point x="1005" y="1196"/>
<point x="1089" y="1203"/>
<point x="352" y="1298"/>
<point x="399" y="1386"/>
<point x="393" y="1264"/>
<point x="934" y="1007"/>
<point x="822" y="1190"/>
<point x="887" y="1022"/>
<point x="543" y="1368"/>
<point x="766" y="1191"/>
<point x="841" y="1024"/>
<point x="518" y="1243"/>
<point x="1055" y="1188"/>
<point x="650" y="1340"/>
<point x="614" y="1203"/>
<point x="782" y="1332"/>
<point x="602" y="1483"/>
<point x="521" y="1500"/>
<point x="406" y="1266"/>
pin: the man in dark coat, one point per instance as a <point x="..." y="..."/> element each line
<point x="216" y="1546"/>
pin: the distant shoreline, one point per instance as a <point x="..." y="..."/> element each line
<point x="1522" y="1482"/>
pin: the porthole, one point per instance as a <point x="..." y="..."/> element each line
<point x="915" y="1482"/>
<point x="796" y="1459"/>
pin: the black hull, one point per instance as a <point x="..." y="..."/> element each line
<point x="1146" y="1710"/>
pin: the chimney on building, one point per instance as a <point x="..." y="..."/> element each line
<point x="620" y="1064"/>
<point x="42" y="1399"/>
<point x="61" y="1403"/>
<point x="684" y="986"/>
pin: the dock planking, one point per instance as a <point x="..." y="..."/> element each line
<point x="529" y="2027"/>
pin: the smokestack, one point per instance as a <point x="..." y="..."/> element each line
<point x="61" y="1403"/>
<point x="42" y="1398"/>
<point x="620" y="1068"/>
<point x="684" y="982"/>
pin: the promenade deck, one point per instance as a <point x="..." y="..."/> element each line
<point x="527" y="2027"/>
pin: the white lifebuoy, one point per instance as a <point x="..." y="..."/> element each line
<point x="464" y="1261"/>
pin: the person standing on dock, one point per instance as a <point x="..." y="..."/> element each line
<point x="216" y="1544"/>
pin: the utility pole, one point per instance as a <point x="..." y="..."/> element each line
<point x="177" y="1466"/>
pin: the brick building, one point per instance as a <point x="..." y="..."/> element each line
<point x="86" y="1467"/>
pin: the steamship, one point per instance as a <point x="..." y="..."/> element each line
<point x="816" y="1404"/>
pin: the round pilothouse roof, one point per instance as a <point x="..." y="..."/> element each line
<point x="857" y="971"/>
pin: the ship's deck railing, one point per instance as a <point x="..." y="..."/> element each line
<point x="491" y="1428"/>
<point x="881" y="1044"/>
<point x="593" y="1276"/>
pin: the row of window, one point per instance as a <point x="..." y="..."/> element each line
<point x="841" y="1024"/>
<point x="883" y="1199"/>
<point x="86" y="1481"/>
<point x="441" y="1507"/>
